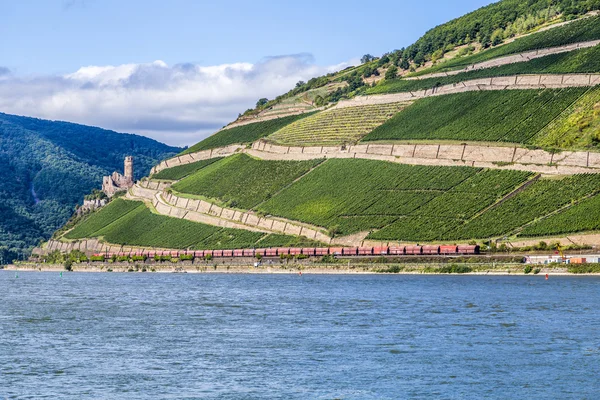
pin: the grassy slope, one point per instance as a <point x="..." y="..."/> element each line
<point x="578" y="127"/>
<point x="132" y="223"/>
<point x="243" y="134"/>
<point x="577" y="61"/>
<point x="181" y="171"/>
<point x="242" y="181"/>
<point x="511" y="116"/>
<point x="578" y="31"/>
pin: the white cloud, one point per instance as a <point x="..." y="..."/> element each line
<point x="179" y="104"/>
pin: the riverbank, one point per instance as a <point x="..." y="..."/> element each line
<point x="406" y="269"/>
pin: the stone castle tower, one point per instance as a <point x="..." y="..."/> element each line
<point x="128" y="169"/>
<point x="117" y="182"/>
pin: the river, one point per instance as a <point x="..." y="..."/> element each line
<point x="228" y="336"/>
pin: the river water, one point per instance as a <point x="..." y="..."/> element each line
<point x="213" y="336"/>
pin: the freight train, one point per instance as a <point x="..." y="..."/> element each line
<point x="428" y="250"/>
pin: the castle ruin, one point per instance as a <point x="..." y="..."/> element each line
<point x="117" y="182"/>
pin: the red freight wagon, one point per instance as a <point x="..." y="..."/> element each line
<point x="431" y="249"/>
<point x="468" y="249"/>
<point x="271" y="252"/>
<point x="260" y="252"/>
<point x="174" y="254"/>
<point x="365" y="251"/>
<point x="413" y="250"/>
<point x="217" y="253"/>
<point x="309" y="252"/>
<point x="283" y="251"/>
<point x="380" y="251"/>
<point x="397" y="251"/>
<point x="249" y="253"/>
<point x="336" y="251"/>
<point x="209" y="253"/>
<point x="449" y="249"/>
<point x="321" y="251"/>
<point x="295" y="251"/>
<point x="151" y="253"/>
<point x="199" y="253"/>
<point x="227" y="253"/>
<point x="350" y="251"/>
<point x="238" y="253"/>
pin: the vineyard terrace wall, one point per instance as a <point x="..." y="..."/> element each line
<point x="512" y="59"/>
<point x="197" y="210"/>
<point x="495" y="157"/>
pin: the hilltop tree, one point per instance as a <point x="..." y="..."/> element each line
<point x="366" y="58"/>
<point x="261" y="102"/>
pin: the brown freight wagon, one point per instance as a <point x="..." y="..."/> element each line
<point x="468" y="249"/>
<point x="365" y="251"/>
<point x="321" y="251"/>
<point x="413" y="250"/>
<point x="217" y="253"/>
<point x="336" y="251"/>
<point x="283" y="251"/>
<point x="397" y="251"/>
<point x="380" y="251"/>
<point x="448" y="249"/>
<point x="271" y="252"/>
<point x="309" y="252"/>
<point x="430" y="250"/>
<point x="260" y="252"/>
<point x="227" y="253"/>
<point x="295" y="251"/>
<point x="238" y="253"/>
<point x="350" y="251"/>
<point x="248" y="253"/>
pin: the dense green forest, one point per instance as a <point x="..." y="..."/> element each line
<point x="47" y="167"/>
<point x="492" y="24"/>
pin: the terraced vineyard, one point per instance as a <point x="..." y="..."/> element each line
<point x="577" y="61"/>
<point x="242" y="181"/>
<point x="336" y="126"/>
<point x="181" y="171"/>
<point x="131" y="223"/>
<point x="98" y="220"/>
<point x="348" y="196"/>
<point x="509" y="116"/>
<point x="244" y="134"/>
<point x="582" y="217"/>
<point x="578" y="31"/>
<point x="539" y="199"/>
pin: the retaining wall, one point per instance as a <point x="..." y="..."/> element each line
<point x="512" y="59"/>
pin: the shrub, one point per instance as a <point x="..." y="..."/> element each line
<point x="527" y="269"/>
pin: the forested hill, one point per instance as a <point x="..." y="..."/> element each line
<point x="492" y="24"/>
<point x="48" y="166"/>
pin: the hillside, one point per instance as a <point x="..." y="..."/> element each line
<point x="48" y="166"/>
<point x="499" y="145"/>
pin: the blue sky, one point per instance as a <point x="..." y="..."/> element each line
<point x="87" y="60"/>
